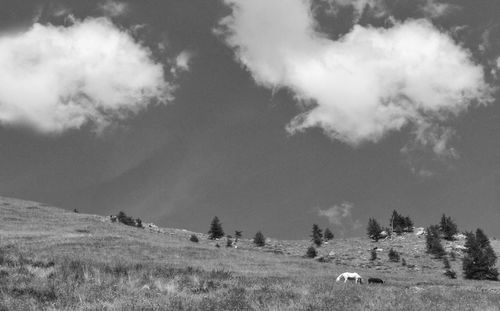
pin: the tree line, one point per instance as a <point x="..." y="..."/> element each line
<point x="478" y="263"/>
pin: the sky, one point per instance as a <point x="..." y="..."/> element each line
<point x="271" y="114"/>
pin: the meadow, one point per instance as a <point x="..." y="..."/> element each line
<point x="53" y="259"/>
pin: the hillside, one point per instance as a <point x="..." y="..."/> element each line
<point x="54" y="259"/>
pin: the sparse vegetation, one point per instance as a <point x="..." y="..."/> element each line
<point x="216" y="231"/>
<point x="259" y="239"/>
<point x="317" y="235"/>
<point x="311" y="252"/>
<point x="373" y="229"/>
<point x="116" y="268"/>
<point x="328" y="234"/>
<point x="480" y="259"/>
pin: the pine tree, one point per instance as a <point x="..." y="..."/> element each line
<point x="408" y="224"/>
<point x="317" y="236"/>
<point x="311" y="252"/>
<point x="433" y="242"/>
<point x="259" y="239"/>
<point x="328" y="234"/>
<point x="448" y="227"/>
<point x="480" y="259"/>
<point x="373" y="229"/>
<point x="216" y="231"/>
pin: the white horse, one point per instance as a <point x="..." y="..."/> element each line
<point x="350" y="276"/>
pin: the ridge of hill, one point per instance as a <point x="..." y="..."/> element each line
<point x="84" y="252"/>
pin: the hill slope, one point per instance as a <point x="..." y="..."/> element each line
<point x="54" y="259"/>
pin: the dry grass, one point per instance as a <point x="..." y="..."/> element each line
<point x="52" y="259"/>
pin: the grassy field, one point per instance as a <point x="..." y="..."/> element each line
<point x="52" y="259"/>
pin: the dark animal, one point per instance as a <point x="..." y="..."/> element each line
<point x="375" y="281"/>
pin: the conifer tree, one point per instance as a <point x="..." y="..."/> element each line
<point x="216" y="231"/>
<point x="328" y="234"/>
<point x="480" y="259"/>
<point x="259" y="239"/>
<point x="373" y="229"/>
<point x="448" y="227"/>
<point x="433" y="242"/>
<point x="317" y="236"/>
<point x="311" y="252"/>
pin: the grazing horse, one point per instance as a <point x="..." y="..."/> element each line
<point x="375" y="281"/>
<point x="350" y="276"/>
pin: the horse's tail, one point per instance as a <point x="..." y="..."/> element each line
<point x="338" y="278"/>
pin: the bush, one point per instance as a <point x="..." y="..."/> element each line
<point x="127" y="220"/>
<point x="328" y="234"/>
<point x="237" y="235"/>
<point x="393" y="255"/>
<point x="480" y="259"/>
<point x="317" y="236"/>
<point x="259" y="239"/>
<point x="194" y="238"/>
<point x="229" y="241"/>
<point x="451" y="274"/>
<point x="216" y="231"/>
<point x="403" y="262"/>
<point x="373" y="229"/>
<point x="373" y="254"/>
<point x="311" y="252"/>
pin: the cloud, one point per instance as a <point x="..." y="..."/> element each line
<point x="382" y="8"/>
<point x="56" y="78"/>
<point x="341" y="216"/>
<point x="363" y="86"/>
<point x="436" y="9"/>
<point x="114" y="8"/>
<point x="183" y="60"/>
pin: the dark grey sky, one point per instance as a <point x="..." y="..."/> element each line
<point x="221" y="146"/>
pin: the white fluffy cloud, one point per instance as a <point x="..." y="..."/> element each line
<point x="368" y="83"/>
<point x="56" y="78"/>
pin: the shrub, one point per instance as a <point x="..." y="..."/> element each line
<point x="393" y="255"/>
<point x="75" y="211"/>
<point x="433" y="242"/>
<point x="216" y="231"/>
<point x="451" y="274"/>
<point x="229" y="241"/>
<point x="373" y="229"/>
<point x="138" y="223"/>
<point x="317" y="236"/>
<point x="126" y="220"/>
<point x="311" y="252"/>
<point x="194" y="238"/>
<point x="480" y="259"/>
<point x="373" y="254"/>
<point x="237" y="235"/>
<point x="328" y="234"/>
<point x="403" y="262"/>
<point x="259" y="239"/>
